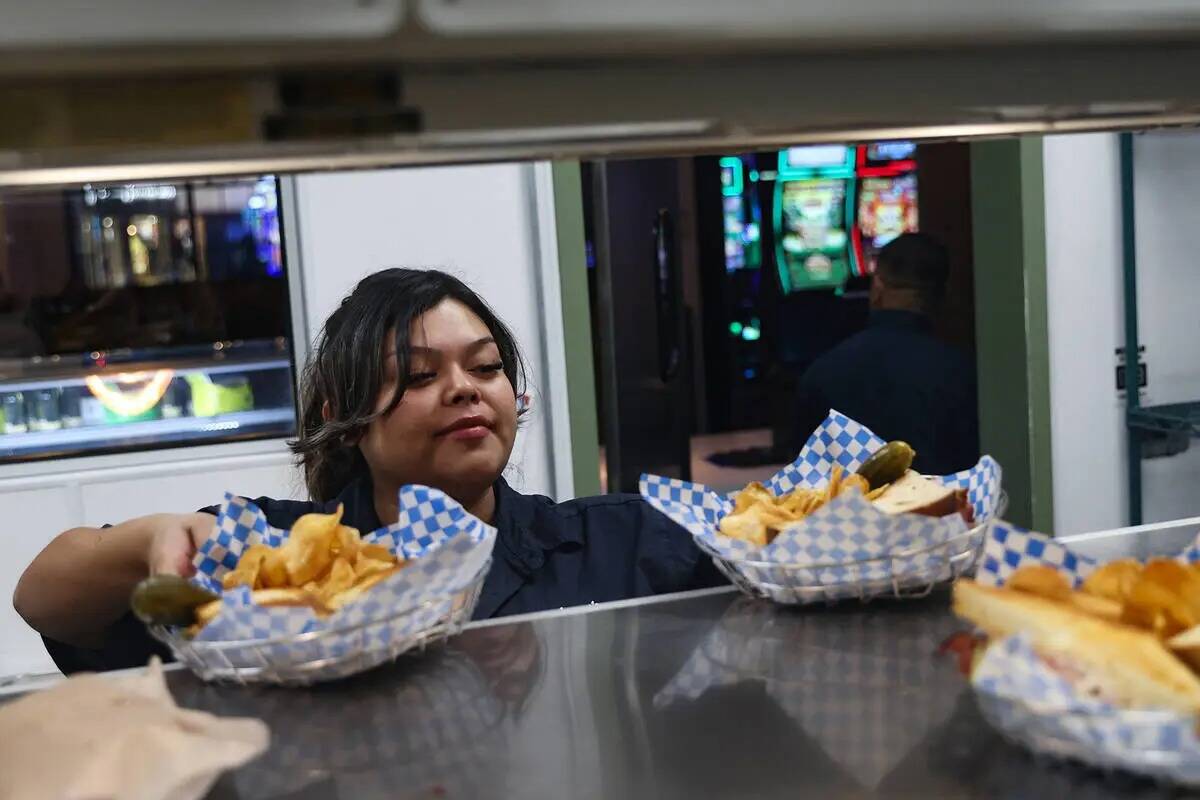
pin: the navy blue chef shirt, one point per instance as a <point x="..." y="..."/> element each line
<point x="547" y="555"/>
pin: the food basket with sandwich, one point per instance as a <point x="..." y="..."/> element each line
<point x="848" y="518"/>
<point x="1091" y="662"/>
<point x="320" y="601"/>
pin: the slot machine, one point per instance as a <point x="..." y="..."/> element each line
<point x="813" y="216"/>
<point x="887" y="199"/>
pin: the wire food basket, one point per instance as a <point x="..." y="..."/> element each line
<point x="324" y="655"/>
<point x="1127" y="740"/>
<point x="906" y="573"/>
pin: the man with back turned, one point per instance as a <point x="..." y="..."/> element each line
<point x="895" y="376"/>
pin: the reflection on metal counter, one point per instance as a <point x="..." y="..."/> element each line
<point x="705" y="695"/>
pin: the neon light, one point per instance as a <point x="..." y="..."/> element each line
<point x="888" y="170"/>
<point x="135" y="403"/>
<point x="896" y="150"/>
<point x="754" y="176"/>
<point x="860" y="260"/>
<point x="735" y="328"/>
<point x="736" y="184"/>
<point x="751" y="334"/>
<point x="785" y="280"/>
<point x="851" y="217"/>
<point x="820" y="162"/>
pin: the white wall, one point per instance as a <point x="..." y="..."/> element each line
<point x="477" y="222"/>
<point x="1086" y="321"/>
<point x="1083" y="285"/>
<point x="1167" y="197"/>
<point x="108" y="490"/>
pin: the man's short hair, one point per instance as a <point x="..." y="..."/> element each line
<point x="914" y="261"/>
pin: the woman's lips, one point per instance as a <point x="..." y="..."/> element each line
<point x="468" y="434"/>
<point x="467" y="429"/>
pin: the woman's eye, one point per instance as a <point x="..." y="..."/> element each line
<point x="488" y="369"/>
<point x="417" y="378"/>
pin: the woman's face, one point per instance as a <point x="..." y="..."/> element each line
<point x="455" y="425"/>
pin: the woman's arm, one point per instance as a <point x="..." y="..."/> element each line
<point x="80" y="583"/>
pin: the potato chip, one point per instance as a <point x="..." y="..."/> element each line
<point x="347" y="543"/>
<point x="835" y="481"/>
<point x="1113" y="580"/>
<point x="754" y="494"/>
<point x="273" y="573"/>
<point x="856" y="482"/>
<point x="1164" y="599"/>
<point x="360" y="588"/>
<point x="207" y="612"/>
<point x="800" y="501"/>
<point x="1041" y="580"/>
<point x="289" y="597"/>
<point x="745" y="525"/>
<point x="758" y="516"/>
<point x="376" y="552"/>
<point x="307" y="550"/>
<point x="322" y="565"/>
<point x="247" y="569"/>
<point x="341" y="577"/>
<point x="371" y="566"/>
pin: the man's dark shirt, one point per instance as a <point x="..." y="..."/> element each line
<point x="900" y="381"/>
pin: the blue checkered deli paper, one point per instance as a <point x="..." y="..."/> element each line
<point x="848" y="548"/>
<point x="1030" y="703"/>
<point x="448" y="552"/>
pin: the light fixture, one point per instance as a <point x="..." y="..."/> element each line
<point x="131" y="404"/>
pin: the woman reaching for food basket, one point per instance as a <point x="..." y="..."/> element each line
<point x="414" y="380"/>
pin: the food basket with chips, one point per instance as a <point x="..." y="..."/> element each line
<point x="842" y="545"/>
<point x="1086" y="673"/>
<point x="351" y="603"/>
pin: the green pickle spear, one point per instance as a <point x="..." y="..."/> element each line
<point x="887" y="464"/>
<point x="168" y="600"/>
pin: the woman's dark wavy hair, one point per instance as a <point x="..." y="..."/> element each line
<point x="346" y="367"/>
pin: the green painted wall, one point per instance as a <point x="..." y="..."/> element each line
<point x="1009" y="232"/>
<point x="577" y="328"/>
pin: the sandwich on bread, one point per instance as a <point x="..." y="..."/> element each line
<point x="1126" y="666"/>
<point x="913" y="493"/>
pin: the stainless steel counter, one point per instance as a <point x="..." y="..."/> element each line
<point x="710" y="695"/>
<point x="692" y="696"/>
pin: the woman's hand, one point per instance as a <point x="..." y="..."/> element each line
<point x="80" y="584"/>
<point x="174" y="540"/>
